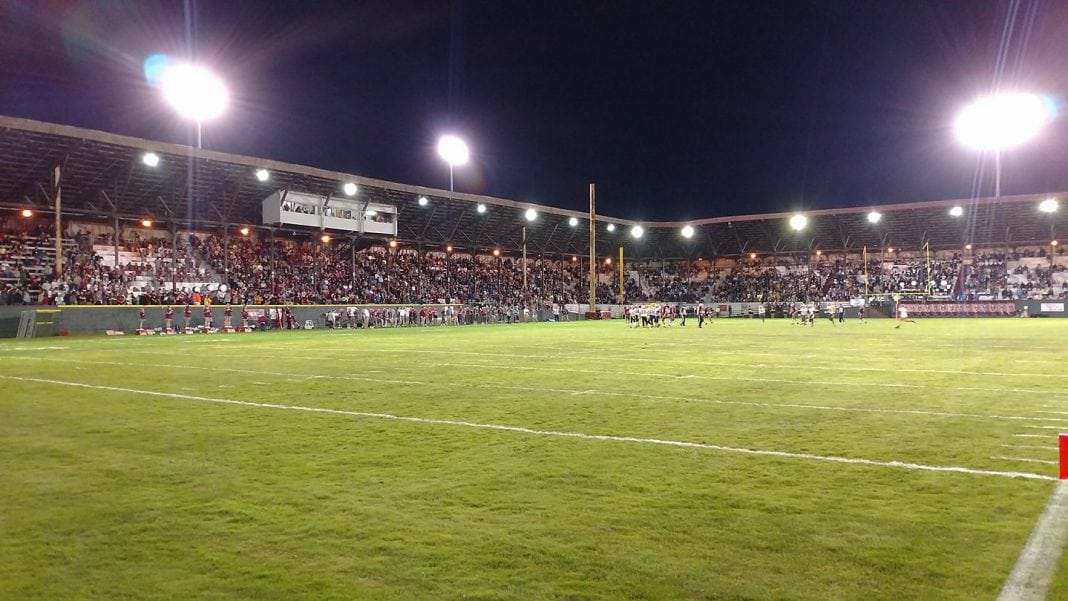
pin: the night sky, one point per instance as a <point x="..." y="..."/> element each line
<point x="676" y="110"/>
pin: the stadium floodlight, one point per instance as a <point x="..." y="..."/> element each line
<point x="572" y="221"/>
<point x="967" y="246"/>
<point x="637" y="231"/>
<point x="350" y="189"/>
<point x="798" y="222"/>
<point x="448" y="248"/>
<point x="150" y="158"/>
<point x="1050" y="205"/>
<point x="393" y="244"/>
<point x="423" y="201"/>
<point x="819" y="253"/>
<point x="531" y="214"/>
<point x="611" y="227"/>
<point x="574" y="258"/>
<point x="608" y="261"/>
<point x="687" y="231"/>
<point x="481" y="208"/>
<point x="244" y="231"/>
<point x="1053" y="243"/>
<point x="890" y="249"/>
<point x="263" y="175"/>
<point x="453" y="151"/>
<point x="27" y="213"/>
<point x="325" y="237"/>
<point x="1002" y="121"/>
<point x="874" y="217"/>
<point x="752" y="255"/>
<point x="956" y="211"/>
<point x="194" y="92"/>
<point x="146" y="222"/>
<point x="496" y="252"/>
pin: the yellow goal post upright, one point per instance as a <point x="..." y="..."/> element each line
<point x="621" y="297"/>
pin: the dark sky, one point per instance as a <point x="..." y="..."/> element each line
<point x="675" y="109"/>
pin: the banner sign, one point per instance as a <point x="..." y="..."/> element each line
<point x="1052" y="307"/>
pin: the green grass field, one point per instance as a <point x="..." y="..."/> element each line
<point x="109" y="492"/>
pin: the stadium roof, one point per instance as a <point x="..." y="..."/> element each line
<point x="104" y="178"/>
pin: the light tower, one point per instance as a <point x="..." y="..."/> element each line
<point x="1000" y="122"/>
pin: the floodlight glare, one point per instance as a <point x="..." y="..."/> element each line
<point x="325" y="238"/>
<point x="819" y="253"/>
<point x="798" y="222"/>
<point x="687" y="231"/>
<point x="146" y="222"/>
<point x="27" y="213"/>
<point x="150" y="158"/>
<point x="481" y="208"/>
<point x="393" y="244"/>
<point x="453" y="150"/>
<point x="531" y="214"/>
<point x="263" y="175"/>
<point x="496" y="252"/>
<point x="608" y="261"/>
<point x="1050" y="205"/>
<point x="196" y="93"/>
<point x="956" y="211"/>
<point x="573" y="221"/>
<point x="1053" y="243"/>
<point x="637" y="231"/>
<point x="350" y="189"/>
<point x="574" y="258"/>
<point x="448" y="248"/>
<point x="874" y="217"/>
<point x="423" y="200"/>
<point x="611" y="227"/>
<point x="1002" y="121"/>
<point x="967" y="247"/>
<point x="244" y="231"/>
<point x="752" y="255"/>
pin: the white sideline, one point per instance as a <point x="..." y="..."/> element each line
<point x="561" y="434"/>
<point x="1029" y="446"/>
<point x="588" y="392"/>
<point x="1030" y="578"/>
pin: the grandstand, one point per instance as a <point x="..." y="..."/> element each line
<point x="206" y="231"/>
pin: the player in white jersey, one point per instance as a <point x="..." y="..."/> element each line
<point x="903" y="316"/>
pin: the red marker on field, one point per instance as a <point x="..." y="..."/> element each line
<point x="1064" y="456"/>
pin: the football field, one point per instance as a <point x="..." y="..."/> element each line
<point x="579" y="460"/>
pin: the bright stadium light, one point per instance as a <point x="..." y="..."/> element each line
<point x="146" y="222"/>
<point x="496" y="252"/>
<point x="752" y="255"/>
<point x="453" y="151"/>
<point x="637" y="231"/>
<point x="967" y="247"/>
<point x="27" y="213"/>
<point x="448" y="248"/>
<point x="687" y="231"/>
<point x="423" y="201"/>
<point x="956" y="211"/>
<point x="194" y="92"/>
<point x="1002" y="121"/>
<point x="150" y="158"/>
<point x="608" y="261"/>
<point x="531" y="214"/>
<point x="874" y="217"/>
<point x="798" y="222"/>
<point x="574" y="258"/>
<point x="611" y="227"/>
<point x="263" y="175"/>
<point x="244" y="231"/>
<point x="1053" y="243"/>
<point x="1050" y="205"/>
<point x="350" y="189"/>
<point x="481" y="208"/>
<point x="325" y="238"/>
<point x="572" y="221"/>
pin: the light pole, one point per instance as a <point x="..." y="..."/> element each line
<point x="453" y="151"/>
<point x="1000" y="122"/>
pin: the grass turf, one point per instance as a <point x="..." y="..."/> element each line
<point x="108" y="493"/>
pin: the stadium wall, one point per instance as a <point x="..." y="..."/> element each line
<point x="95" y="319"/>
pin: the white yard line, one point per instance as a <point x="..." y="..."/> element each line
<point x="585" y="392"/>
<point x="1023" y="459"/>
<point x="1030" y="578"/>
<point x="553" y="433"/>
<point x="1060" y="427"/>
<point x="1045" y="436"/>
<point x="1030" y="446"/>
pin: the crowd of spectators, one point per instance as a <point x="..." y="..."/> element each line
<point x="248" y="270"/>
